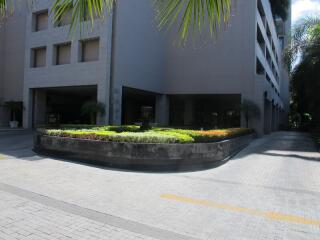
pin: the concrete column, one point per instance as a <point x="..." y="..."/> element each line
<point x="277" y="118"/>
<point x="273" y="117"/>
<point x="40" y="106"/>
<point x="162" y="110"/>
<point x="268" y="117"/>
<point x="188" y="111"/>
<point x="102" y="97"/>
<point x="4" y="117"/>
<point x="75" y="52"/>
<point x="117" y="106"/>
<point x="28" y="108"/>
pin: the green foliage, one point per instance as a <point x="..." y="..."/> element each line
<point x="305" y="76"/>
<point x="92" y="107"/>
<point x="193" y="15"/>
<point x="15" y="107"/>
<point x="187" y="14"/>
<point x="124" y="128"/>
<point x="280" y="8"/>
<point x="156" y="135"/>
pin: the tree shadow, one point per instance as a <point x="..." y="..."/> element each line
<point x="316" y="159"/>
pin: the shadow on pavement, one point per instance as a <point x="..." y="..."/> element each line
<point x="293" y="156"/>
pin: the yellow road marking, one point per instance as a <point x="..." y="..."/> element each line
<point x="269" y="215"/>
<point x="2" y="157"/>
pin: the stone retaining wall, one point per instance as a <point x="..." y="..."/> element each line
<point x="140" y="155"/>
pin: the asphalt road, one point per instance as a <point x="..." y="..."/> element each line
<point x="271" y="190"/>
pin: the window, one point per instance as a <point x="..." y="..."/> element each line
<point x="89" y="50"/>
<point x="269" y="34"/>
<point x="261" y="12"/>
<point x="260" y="40"/>
<point x="65" y="19"/>
<point x="40" y="20"/>
<point x="268" y="78"/>
<point x="281" y="39"/>
<point x="280" y="26"/>
<point x="259" y="67"/>
<point x="268" y="57"/>
<point x="38" y="57"/>
<point x="62" y="54"/>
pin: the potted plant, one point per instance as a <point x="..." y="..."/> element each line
<point x="146" y="112"/>
<point x="14" y="107"/>
<point x="92" y="108"/>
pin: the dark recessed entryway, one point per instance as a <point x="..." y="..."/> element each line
<point x="205" y="111"/>
<point x="132" y="102"/>
<point x="63" y="102"/>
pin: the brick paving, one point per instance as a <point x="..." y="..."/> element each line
<point x="24" y="219"/>
<point x="279" y="173"/>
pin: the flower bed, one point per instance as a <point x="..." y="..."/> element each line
<point x="128" y="147"/>
<point x="132" y="134"/>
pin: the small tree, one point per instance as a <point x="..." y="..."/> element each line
<point x="250" y="110"/>
<point x="92" y="108"/>
<point x="14" y="107"/>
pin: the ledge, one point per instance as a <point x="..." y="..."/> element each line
<point x="137" y="155"/>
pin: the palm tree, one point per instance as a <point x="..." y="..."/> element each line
<point x="189" y="14"/>
<point x="305" y="39"/>
<point x="280" y="8"/>
<point x="305" y="75"/>
<point x="91" y="109"/>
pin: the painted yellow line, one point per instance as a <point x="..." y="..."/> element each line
<point x="2" y="157"/>
<point x="269" y="215"/>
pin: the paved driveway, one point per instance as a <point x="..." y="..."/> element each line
<point x="271" y="190"/>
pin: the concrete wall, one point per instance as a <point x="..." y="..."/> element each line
<point x="213" y="66"/>
<point x="76" y="73"/>
<point x="2" y="47"/>
<point x="139" y="56"/>
<point x="143" y="58"/>
<point x="12" y="40"/>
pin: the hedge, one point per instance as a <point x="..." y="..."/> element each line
<point x="134" y="135"/>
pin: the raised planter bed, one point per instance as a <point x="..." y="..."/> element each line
<point x="140" y="154"/>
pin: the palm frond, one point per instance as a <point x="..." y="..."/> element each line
<point x="305" y="36"/>
<point x="82" y="10"/>
<point x="189" y="14"/>
<point x="193" y="15"/>
<point x="3" y="7"/>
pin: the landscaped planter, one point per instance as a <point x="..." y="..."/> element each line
<point x="139" y="154"/>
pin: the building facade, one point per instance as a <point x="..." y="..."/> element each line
<point x="125" y="63"/>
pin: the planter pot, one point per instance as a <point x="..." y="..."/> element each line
<point x="13" y="124"/>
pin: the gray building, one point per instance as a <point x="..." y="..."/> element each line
<point x="125" y="63"/>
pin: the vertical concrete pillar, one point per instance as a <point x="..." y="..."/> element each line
<point x="188" y="111"/>
<point x="273" y="116"/>
<point x="277" y="119"/>
<point x="4" y="116"/>
<point x="102" y="97"/>
<point x="268" y="117"/>
<point x="40" y="106"/>
<point x="162" y="110"/>
<point x="116" y="118"/>
<point x="28" y="108"/>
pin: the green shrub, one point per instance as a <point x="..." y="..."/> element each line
<point x="134" y="135"/>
